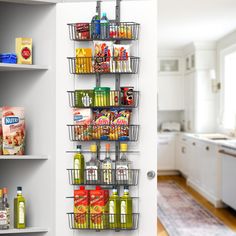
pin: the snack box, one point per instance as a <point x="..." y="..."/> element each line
<point x="0" y="131"/>
<point x="24" y="50"/>
<point x="13" y="129"/>
<point x="84" y="98"/>
<point x="83" y="60"/>
<point x="82" y="31"/>
<point x="99" y="208"/>
<point x="81" y="208"/>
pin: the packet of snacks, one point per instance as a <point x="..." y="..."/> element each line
<point x="121" y="61"/>
<point x="82" y="120"/>
<point x="0" y="131"/>
<point x="120" y="120"/>
<point x="13" y="128"/>
<point x="101" y="128"/>
<point x="103" y="52"/>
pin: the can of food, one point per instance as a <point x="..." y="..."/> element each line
<point x="127" y="96"/>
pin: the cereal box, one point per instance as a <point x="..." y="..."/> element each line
<point x="99" y="208"/>
<point x="81" y="208"/>
<point x="13" y="129"/>
<point x="24" y="50"/>
<point x="0" y="131"/>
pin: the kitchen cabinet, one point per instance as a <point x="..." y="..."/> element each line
<point x="166" y="152"/>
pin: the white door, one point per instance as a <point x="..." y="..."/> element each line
<point x="145" y="115"/>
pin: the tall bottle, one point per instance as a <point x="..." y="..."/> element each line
<point x="105" y="31"/>
<point x="126" y="210"/>
<point x="93" y="166"/>
<point x="114" y="209"/>
<point x="7" y="206"/>
<point x="19" y="210"/>
<point x="95" y="27"/>
<point x="123" y="166"/>
<point x="78" y="166"/>
<point x="107" y="166"/>
<point x="3" y="213"/>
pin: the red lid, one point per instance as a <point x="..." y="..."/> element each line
<point x="98" y="188"/>
<point x="4" y="190"/>
<point x="82" y="188"/>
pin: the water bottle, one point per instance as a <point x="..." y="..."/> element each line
<point x="104" y="26"/>
<point x="95" y="27"/>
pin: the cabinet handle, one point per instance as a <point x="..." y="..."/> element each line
<point x="163" y="143"/>
<point x="207" y="148"/>
<point x="183" y="149"/>
<point x="194" y="144"/>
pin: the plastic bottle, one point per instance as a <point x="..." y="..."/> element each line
<point x="104" y="26"/>
<point x="95" y="27"/>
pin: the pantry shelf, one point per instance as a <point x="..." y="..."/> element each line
<point x="103" y="65"/>
<point x="23" y="157"/>
<point x="24" y="231"/>
<point x="120" y="133"/>
<point x="117" y="31"/>
<point x="76" y="221"/>
<point x="115" y="98"/>
<point x="20" y="67"/>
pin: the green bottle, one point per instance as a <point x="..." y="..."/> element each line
<point x="126" y="210"/>
<point x="114" y="209"/>
<point x="19" y="210"/>
<point x="78" y="166"/>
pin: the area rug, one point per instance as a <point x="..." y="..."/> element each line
<point x="181" y="215"/>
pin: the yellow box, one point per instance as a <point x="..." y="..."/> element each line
<point x="24" y="50"/>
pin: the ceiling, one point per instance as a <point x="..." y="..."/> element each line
<point x="184" y="21"/>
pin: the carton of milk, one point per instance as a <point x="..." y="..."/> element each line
<point x="13" y="129"/>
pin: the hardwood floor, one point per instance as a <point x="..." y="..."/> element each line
<point x="226" y="215"/>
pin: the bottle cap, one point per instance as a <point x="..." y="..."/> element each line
<point x="0" y="192"/>
<point x="79" y="147"/>
<point x="104" y="14"/>
<point x="82" y="188"/>
<point x="114" y="189"/>
<point x="123" y="147"/>
<point x="108" y="147"/>
<point x="93" y="148"/>
<point x="19" y="188"/>
<point x="98" y="188"/>
<point x="4" y="190"/>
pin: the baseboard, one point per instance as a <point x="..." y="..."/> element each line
<point x="167" y="172"/>
<point x="215" y="201"/>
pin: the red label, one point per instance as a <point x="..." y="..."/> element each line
<point x="25" y="53"/>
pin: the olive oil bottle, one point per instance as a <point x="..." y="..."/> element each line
<point x="114" y="209"/>
<point x="19" y="210"/>
<point x="78" y="166"/>
<point x="126" y="210"/>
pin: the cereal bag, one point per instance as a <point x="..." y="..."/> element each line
<point x="13" y="128"/>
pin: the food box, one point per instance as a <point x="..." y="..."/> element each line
<point x="0" y="131"/>
<point x="24" y="50"/>
<point x="82" y="31"/>
<point x="99" y="208"/>
<point x="84" y="98"/>
<point x="13" y="128"/>
<point x="81" y="208"/>
<point x="83" y="118"/>
<point x="83" y="60"/>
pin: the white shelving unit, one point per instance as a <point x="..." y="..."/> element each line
<point x="18" y="67"/>
<point x="24" y="157"/>
<point x="24" y="231"/>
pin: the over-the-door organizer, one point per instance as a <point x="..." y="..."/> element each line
<point x="116" y="66"/>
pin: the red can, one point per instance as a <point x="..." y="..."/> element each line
<point x="127" y="96"/>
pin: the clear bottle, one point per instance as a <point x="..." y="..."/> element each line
<point x="105" y="31"/>
<point x="114" y="209"/>
<point x="7" y="206"/>
<point x="3" y="213"/>
<point x="78" y="166"/>
<point x="92" y="167"/>
<point x="95" y="27"/>
<point x="19" y="210"/>
<point x="123" y="167"/>
<point x="107" y="167"/>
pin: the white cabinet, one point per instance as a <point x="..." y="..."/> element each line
<point x="166" y="152"/>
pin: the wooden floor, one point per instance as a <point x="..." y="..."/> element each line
<point x="226" y="215"/>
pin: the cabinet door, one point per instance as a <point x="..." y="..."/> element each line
<point x="166" y="153"/>
<point x="170" y="93"/>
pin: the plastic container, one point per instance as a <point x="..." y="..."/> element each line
<point x="102" y="96"/>
<point x="104" y="27"/>
<point x="8" y="58"/>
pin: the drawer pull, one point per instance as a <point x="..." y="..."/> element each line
<point x="207" y="148"/>
<point x="194" y="144"/>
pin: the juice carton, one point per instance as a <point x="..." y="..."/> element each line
<point x="24" y="50"/>
<point x="99" y="208"/>
<point x="0" y="131"/>
<point x="13" y="129"/>
<point x="81" y="208"/>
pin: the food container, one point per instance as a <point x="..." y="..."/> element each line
<point x="8" y="58"/>
<point x="84" y="98"/>
<point x="127" y="96"/>
<point x="102" y="96"/>
<point x="114" y="98"/>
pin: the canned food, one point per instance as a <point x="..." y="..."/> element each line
<point x="127" y="96"/>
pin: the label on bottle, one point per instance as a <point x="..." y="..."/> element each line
<point x="111" y="212"/>
<point x="107" y="172"/>
<point x="77" y="168"/>
<point x="8" y="215"/>
<point x="3" y="217"/>
<point x="123" y="211"/>
<point x="92" y="173"/>
<point x="21" y="213"/>
<point x="122" y="172"/>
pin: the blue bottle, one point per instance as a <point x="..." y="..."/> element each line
<point x="95" y="27"/>
<point x="105" y="31"/>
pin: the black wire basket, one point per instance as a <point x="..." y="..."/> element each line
<point x="118" y="177"/>
<point x="117" y="31"/>
<point x="120" y="133"/>
<point x="103" y="65"/>
<point x="90" y="99"/>
<point x="103" y="221"/>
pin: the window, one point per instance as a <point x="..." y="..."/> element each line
<point x="228" y="99"/>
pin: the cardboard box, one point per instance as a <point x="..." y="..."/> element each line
<point x="24" y="50"/>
